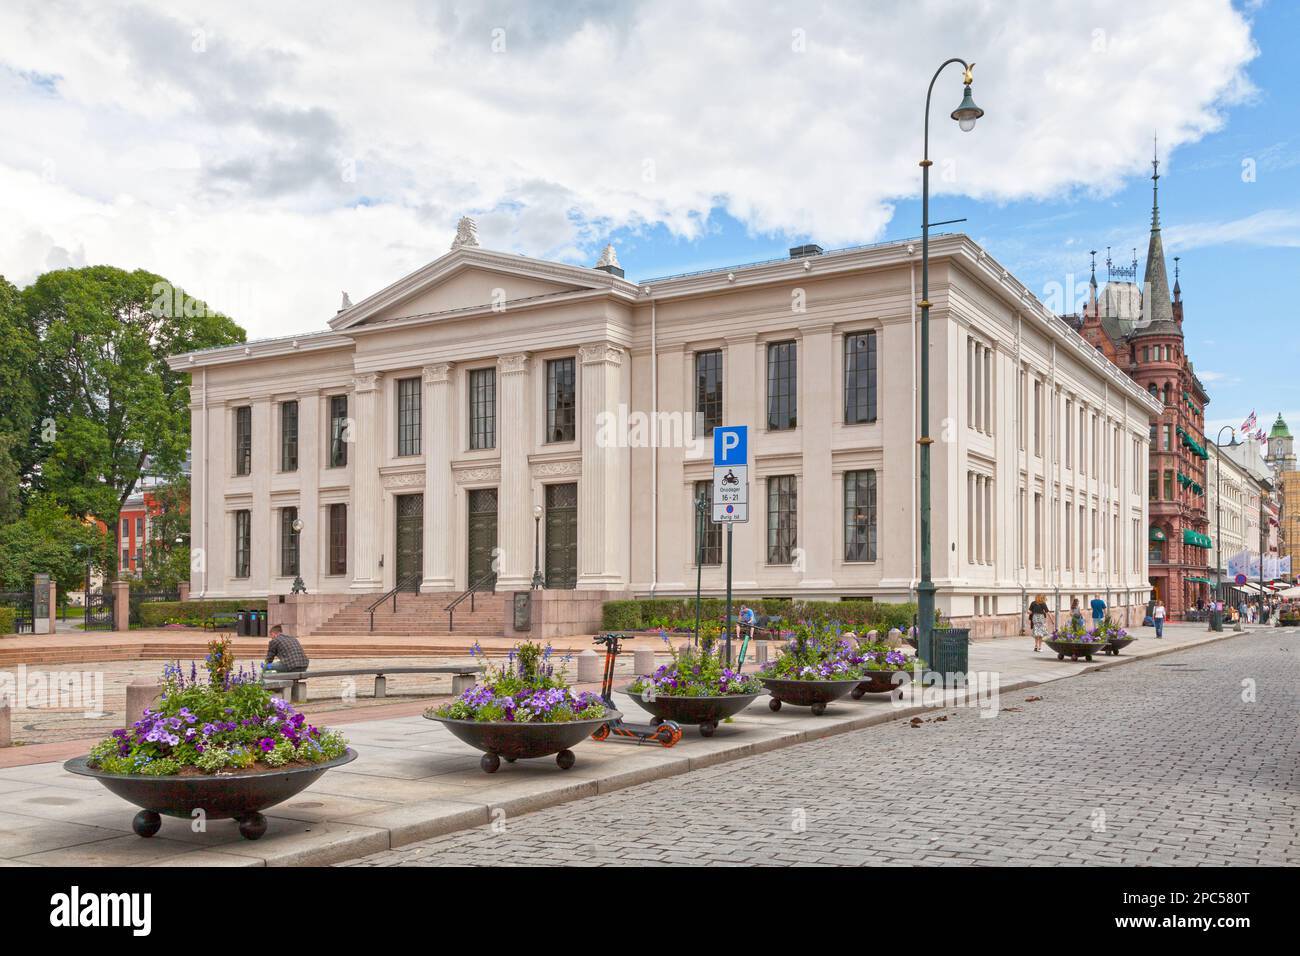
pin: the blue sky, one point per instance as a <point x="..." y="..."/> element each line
<point x="1238" y="241"/>
<point x="267" y="157"/>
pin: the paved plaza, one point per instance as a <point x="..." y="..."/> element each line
<point x="1159" y="763"/>
<point x="1124" y="760"/>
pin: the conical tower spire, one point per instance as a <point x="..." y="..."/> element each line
<point x="1156" y="307"/>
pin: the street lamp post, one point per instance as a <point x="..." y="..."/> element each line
<point x="965" y="114"/>
<point x="701" y="515"/>
<point x="538" y="581"/>
<point x="1218" y="507"/>
<point x="298" y="586"/>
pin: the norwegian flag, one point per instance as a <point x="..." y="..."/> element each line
<point x="1260" y="437"/>
<point x="1249" y="423"/>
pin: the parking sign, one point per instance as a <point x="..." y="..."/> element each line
<point x="731" y="473"/>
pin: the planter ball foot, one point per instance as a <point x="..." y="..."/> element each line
<point x="490" y="763"/>
<point x="1060" y="657"/>
<point x="564" y="759"/>
<point x="146" y="823"/>
<point x="818" y="709"/>
<point x="707" y="728"/>
<point x="511" y="759"/>
<point x="857" y="693"/>
<point x="252" y="826"/>
<point x="774" y="704"/>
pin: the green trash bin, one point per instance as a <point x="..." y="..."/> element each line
<point x="949" y="652"/>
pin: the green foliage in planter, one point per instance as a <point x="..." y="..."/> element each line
<point x="663" y="612"/>
<point x="158" y="613"/>
<point x="8" y="620"/>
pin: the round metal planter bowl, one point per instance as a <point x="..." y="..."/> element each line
<point x="1113" y="647"/>
<point x="237" y="796"/>
<point x="1074" y="649"/>
<point x="505" y="739"/>
<point x="881" y="682"/>
<point x="807" y="693"/>
<point x="707" y="712"/>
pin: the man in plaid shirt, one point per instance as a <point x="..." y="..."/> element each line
<point x="285" y="647"/>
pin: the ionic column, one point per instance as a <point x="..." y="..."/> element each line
<point x="309" y="438"/>
<point x="265" y="558"/>
<point x="439" y="520"/>
<point x="514" y="499"/>
<point x="603" y="488"/>
<point x="368" y="523"/>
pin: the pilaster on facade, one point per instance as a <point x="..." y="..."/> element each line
<point x="439" y="500"/>
<point x="602" y="510"/>
<point x="367" y="493"/>
<point x="514" y="502"/>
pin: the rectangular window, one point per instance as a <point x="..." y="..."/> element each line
<point x="1038" y="418"/>
<point x="288" y="436"/>
<point x="338" y="563"/>
<point x="708" y="391"/>
<point x="1153" y="485"/>
<point x="126" y="558"/>
<point x="561" y="400"/>
<point x="338" y="431"/>
<point x="139" y="528"/>
<point x="243" y="542"/>
<point x="244" y="440"/>
<point x="860" y="378"/>
<point x="126" y="528"/>
<point x="1168" y="438"/>
<point x="288" y="542"/>
<point x="483" y="408"/>
<point x="1020" y="404"/>
<point x="1038" y="530"/>
<point x="859" y="516"/>
<point x="408" y="416"/>
<point x="782" y="519"/>
<point x="782" y="386"/>
<point x="708" y="536"/>
<point x="1169" y="486"/>
<point x="1069" y="535"/>
<point x="1083" y="441"/>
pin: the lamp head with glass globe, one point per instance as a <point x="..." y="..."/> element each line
<point x="967" y="113"/>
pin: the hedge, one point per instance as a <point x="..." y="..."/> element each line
<point x="8" y="620"/>
<point x="652" y="612"/>
<point x="158" y="613"/>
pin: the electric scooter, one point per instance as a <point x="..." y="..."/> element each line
<point x="665" y="734"/>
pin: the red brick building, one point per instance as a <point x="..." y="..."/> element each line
<point x="1140" y="329"/>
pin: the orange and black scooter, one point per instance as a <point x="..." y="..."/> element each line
<point x="665" y="734"/>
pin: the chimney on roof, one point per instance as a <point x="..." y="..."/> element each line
<point x="802" y="252"/>
<point x="608" y="261"/>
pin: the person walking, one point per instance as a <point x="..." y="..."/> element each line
<point x="1158" y="615"/>
<point x="1038" y="620"/>
<point x="1098" y="610"/>
<point x="1076" y="613"/>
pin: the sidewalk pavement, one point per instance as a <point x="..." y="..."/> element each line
<point x="412" y="780"/>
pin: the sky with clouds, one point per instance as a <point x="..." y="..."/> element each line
<point x="267" y="156"/>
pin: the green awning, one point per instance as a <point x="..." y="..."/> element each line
<point x="1155" y="534"/>
<point x="1195" y="538"/>
<point x="1199" y="580"/>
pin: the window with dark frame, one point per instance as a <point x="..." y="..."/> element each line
<point x="408" y="416"/>
<point x="708" y="536"/>
<point x="782" y="519"/>
<point x="860" y="515"/>
<point x="338" y="431"/>
<point x="708" y="390"/>
<point x="483" y="408"/>
<point x="288" y="436"/>
<point x="288" y="543"/>
<point x="782" y="386"/>
<point x="860" y="378"/>
<point x="243" y="542"/>
<point x="338" y="531"/>
<point x="561" y="400"/>
<point x="244" y="440"/>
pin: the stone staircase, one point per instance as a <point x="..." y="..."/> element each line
<point x="419" y="615"/>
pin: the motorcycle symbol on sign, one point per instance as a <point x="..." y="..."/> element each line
<point x="730" y="478"/>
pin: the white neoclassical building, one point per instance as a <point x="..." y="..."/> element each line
<point x="488" y="403"/>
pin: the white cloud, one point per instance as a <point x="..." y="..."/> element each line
<point x="1269" y="227"/>
<point x="217" y="145"/>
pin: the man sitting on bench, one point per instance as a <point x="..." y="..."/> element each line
<point x="284" y="653"/>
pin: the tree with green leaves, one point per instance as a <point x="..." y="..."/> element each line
<point x="19" y="402"/>
<point x="111" y="410"/>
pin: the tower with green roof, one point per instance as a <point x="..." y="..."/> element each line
<point x="1281" y="447"/>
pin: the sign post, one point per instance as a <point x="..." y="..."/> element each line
<point x="730" y="492"/>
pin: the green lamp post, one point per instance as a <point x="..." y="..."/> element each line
<point x="965" y="114"/>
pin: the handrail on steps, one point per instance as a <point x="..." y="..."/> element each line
<point x="489" y="579"/>
<point x="408" y="583"/>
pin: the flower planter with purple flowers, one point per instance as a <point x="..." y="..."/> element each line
<point x="816" y="667"/>
<point x="522" y="709"/>
<point x="695" y="687"/>
<point x="881" y="663"/>
<point x="223" y="745"/>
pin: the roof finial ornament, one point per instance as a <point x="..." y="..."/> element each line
<point x="466" y="233"/>
<point x="1108" y="263"/>
<point x="347" y="303"/>
<point x="1178" y="292"/>
<point x="1135" y="260"/>
<point x="608" y="257"/>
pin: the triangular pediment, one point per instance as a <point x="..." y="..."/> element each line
<point x="469" y="278"/>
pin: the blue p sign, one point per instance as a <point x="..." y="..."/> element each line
<point x="731" y="445"/>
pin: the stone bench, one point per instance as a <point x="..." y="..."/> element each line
<point x="463" y="677"/>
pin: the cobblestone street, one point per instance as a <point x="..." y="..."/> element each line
<point x="1159" y="762"/>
